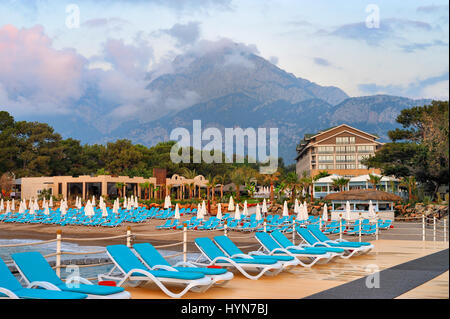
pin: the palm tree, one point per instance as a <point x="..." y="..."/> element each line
<point x="410" y="184"/>
<point x="307" y="183"/>
<point x="212" y="182"/>
<point x="374" y="180"/>
<point x="119" y="186"/>
<point x="221" y="179"/>
<point x="292" y="181"/>
<point x="189" y="174"/>
<point x="237" y="178"/>
<point x="145" y="186"/>
<point x="340" y="183"/>
<point x="271" y="179"/>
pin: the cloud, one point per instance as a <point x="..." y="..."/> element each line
<point x="413" y="47"/>
<point x="184" y="33"/>
<point x="417" y="89"/>
<point x="388" y="29"/>
<point x="433" y="9"/>
<point x="321" y="61"/>
<point x="34" y="76"/>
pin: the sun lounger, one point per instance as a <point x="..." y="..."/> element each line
<point x="32" y="267"/>
<point x="11" y="288"/>
<point x="243" y="265"/>
<point x="287" y="244"/>
<point x="154" y="260"/>
<point x="352" y="247"/>
<point x="229" y="248"/>
<point x="273" y="247"/>
<point x="132" y="271"/>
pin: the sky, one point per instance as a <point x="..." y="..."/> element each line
<point x="53" y="52"/>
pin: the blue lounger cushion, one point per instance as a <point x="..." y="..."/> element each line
<point x="271" y="244"/>
<point x="35" y="268"/>
<point x="231" y="249"/>
<point x="303" y="232"/>
<point x="212" y="251"/>
<point x="321" y="237"/>
<point x="152" y="257"/>
<point x="128" y="261"/>
<point x="8" y="281"/>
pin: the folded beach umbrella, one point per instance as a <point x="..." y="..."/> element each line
<point x="166" y="204"/>
<point x="285" y="209"/>
<point x="136" y="203"/>
<point x="169" y="202"/>
<point x="258" y="212"/>
<point x="237" y="213"/>
<point x="44" y="203"/>
<point x="46" y="210"/>
<point x="372" y="214"/>
<point x="264" y="207"/>
<point x="203" y="208"/>
<point x="36" y="205"/>
<point x="2" y="205"/>
<point x="177" y="212"/>
<point x="296" y="207"/>
<point x="347" y="210"/>
<point x="8" y="207"/>
<point x="305" y="212"/>
<point x="231" y="204"/>
<point x="93" y="200"/>
<point x="325" y="213"/>
<point x="129" y="202"/>
<point x="13" y="205"/>
<point x="21" y="210"/>
<point x="199" y="212"/>
<point x="219" y="211"/>
<point x="51" y="202"/>
<point x="245" y="210"/>
<point x="124" y="202"/>
<point x="300" y="214"/>
<point x="104" y="211"/>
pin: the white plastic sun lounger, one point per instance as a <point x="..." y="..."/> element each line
<point x="242" y="264"/>
<point x="134" y="273"/>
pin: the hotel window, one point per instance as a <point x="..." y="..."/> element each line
<point x="325" y="149"/>
<point x="341" y="140"/>
<point x="365" y="149"/>
<point x="325" y="166"/>
<point x="351" y="140"/>
<point x="325" y="159"/>
<point x="361" y="166"/>
<point x="350" y="149"/>
<point x="345" y="158"/>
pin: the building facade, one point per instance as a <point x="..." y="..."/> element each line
<point x="338" y="150"/>
<point x="86" y="186"/>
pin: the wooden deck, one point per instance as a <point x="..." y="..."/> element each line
<point x="302" y="282"/>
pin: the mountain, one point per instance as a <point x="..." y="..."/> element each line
<point x="374" y="114"/>
<point x="228" y="87"/>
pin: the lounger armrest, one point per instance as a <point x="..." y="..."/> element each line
<point x="281" y="250"/>
<point x="9" y="293"/>
<point x="257" y="253"/>
<point x="241" y="256"/>
<point x="321" y="244"/>
<point x="339" y="240"/>
<point x="43" y="284"/>
<point x="291" y="247"/>
<point x="165" y="267"/>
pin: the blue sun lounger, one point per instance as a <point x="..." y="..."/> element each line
<point x="273" y="247"/>
<point x="132" y="270"/>
<point x="11" y="288"/>
<point x="217" y="257"/>
<point x="151" y="257"/>
<point x="33" y="267"/>
<point x="229" y="248"/>
<point x="353" y="247"/>
<point x="286" y="243"/>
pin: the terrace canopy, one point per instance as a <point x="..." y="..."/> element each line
<point x="359" y="202"/>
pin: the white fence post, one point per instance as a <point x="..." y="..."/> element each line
<point x="293" y="231"/>
<point x="265" y="225"/>
<point x="58" y="253"/>
<point x="434" y="228"/>
<point x="129" y="237"/>
<point x="445" y="230"/>
<point x="376" y="227"/>
<point x="184" y="242"/>
<point x="423" y="227"/>
<point x="225" y="228"/>
<point x="360" y="226"/>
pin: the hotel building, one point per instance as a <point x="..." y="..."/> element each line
<point x="338" y="150"/>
